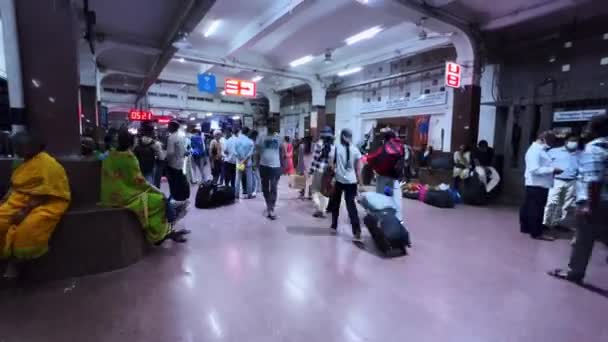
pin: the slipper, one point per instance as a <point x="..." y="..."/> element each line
<point x="564" y="275"/>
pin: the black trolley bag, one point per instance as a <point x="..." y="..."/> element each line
<point x="387" y="231"/>
<point x="210" y="195"/>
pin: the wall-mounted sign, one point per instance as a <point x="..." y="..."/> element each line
<point x="425" y="100"/>
<point x="577" y="115"/>
<point x="236" y="87"/>
<point x="206" y="83"/>
<point x="453" y="74"/>
<point x="140" y="115"/>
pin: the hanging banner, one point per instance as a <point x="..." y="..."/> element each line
<point x="425" y="100"/>
<point x="577" y="115"/>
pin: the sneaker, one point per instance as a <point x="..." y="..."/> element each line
<point x="272" y="215"/>
<point x="357" y="237"/>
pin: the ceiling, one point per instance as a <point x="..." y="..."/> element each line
<point x="262" y="37"/>
<point x="132" y="39"/>
<point x="266" y="35"/>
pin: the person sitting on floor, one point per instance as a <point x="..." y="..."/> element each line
<point x="124" y="186"/>
<point x="462" y="165"/>
<point x="39" y="195"/>
<point x="483" y="159"/>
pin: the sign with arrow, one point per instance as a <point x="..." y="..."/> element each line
<point x="206" y="83"/>
<point x="236" y="87"/>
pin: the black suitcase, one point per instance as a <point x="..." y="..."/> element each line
<point x="439" y="199"/>
<point x="210" y="195"/>
<point x="388" y="233"/>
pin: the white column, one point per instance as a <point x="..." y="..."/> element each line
<point x="13" y="61"/>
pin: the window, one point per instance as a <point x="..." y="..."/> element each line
<point x="442" y="89"/>
<point x="427" y="91"/>
<point x="369" y="100"/>
<point x="407" y="94"/>
<point x="435" y="82"/>
<point x="409" y="62"/>
<point x="379" y="98"/>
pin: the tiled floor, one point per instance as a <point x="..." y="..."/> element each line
<point x="470" y="277"/>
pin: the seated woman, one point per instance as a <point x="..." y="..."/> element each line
<point x="462" y="165"/>
<point x="124" y="186"/>
<point x="39" y="195"/>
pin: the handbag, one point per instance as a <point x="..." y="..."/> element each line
<point x="328" y="180"/>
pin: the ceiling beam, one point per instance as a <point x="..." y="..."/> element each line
<point x="237" y="65"/>
<point x="110" y="44"/>
<point x="261" y="26"/>
<point x="265" y="24"/>
<point x="528" y="13"/>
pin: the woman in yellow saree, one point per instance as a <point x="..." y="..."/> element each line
<point x="38" y="197"/>
<point x="124" y="186"/>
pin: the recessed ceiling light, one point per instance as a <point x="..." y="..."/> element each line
<point x="192" y="118"/>
<point x="367" y="34"/>
<point x="182" y="60"/>
<point x="212" y="28"/>
<point x="350" y="71"/>
<point x="552" y="59"/>
<point x="300" y="61"/>
<point x="567" y="45"/>
<point x="605" y="36"/>
<point x="257" y="78"/>
<point x="565" y="67"/>
<point x="363" y="2"/>
<point x="209" y="114"/>
<point x="604" y="61"/>
<point x="236" y="117"/>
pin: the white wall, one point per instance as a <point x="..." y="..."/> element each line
<point x="348" y="115"/>
<point x="487" y="113"/>
<point x="2" y="55"/>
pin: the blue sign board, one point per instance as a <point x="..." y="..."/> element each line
<point x="206" y="83"/>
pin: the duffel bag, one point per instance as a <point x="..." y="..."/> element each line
<point x="440" y="199"/>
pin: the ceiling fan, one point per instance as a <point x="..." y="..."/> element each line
<point x="423" y="34"/>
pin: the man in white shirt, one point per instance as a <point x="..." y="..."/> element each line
<point x="538" y="179"/>
<point x="230" y="158"/>
<point x="563" y="193"/>
<point x="176" y="154"/>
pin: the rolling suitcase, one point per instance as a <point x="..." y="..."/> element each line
<point x="388" y="233"/>
<point x="210" y="195"/>
<point x="204" y="195"/>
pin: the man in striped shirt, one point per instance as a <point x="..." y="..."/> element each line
<point x="592" y="200"/>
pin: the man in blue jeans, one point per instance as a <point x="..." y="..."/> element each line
<point x="243" y="148"/>
<point x="270" y="155"/>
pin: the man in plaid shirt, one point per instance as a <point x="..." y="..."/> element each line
<point x="592" y="200"/>
<point x="322" y="154"/>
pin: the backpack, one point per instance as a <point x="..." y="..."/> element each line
<point x="146" y="156"/>
<point x="389" y="160"/>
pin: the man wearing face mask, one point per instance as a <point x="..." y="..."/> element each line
<point x="563" y="193"/>
<point x="538" y="179"/>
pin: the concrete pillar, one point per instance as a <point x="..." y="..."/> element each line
<point x="13" y="64"/>
<point x="48" y="46"/>
<point x="88" y="107"/>
<point x="317" y="121"/>
<point x="317" y="115"/>
<point x="465" y="123"/>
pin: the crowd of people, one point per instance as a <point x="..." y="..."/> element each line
<point x="564" y="176"/>
<point x="558" y="176"/>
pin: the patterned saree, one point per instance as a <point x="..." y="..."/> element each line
<point x="124" y="186"/>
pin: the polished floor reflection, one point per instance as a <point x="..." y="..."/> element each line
<point x="470" y="277"/>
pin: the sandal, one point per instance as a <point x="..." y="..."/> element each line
<point x="565" y="275"/>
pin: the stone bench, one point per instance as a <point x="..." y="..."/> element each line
<point x="89" y="239"/>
